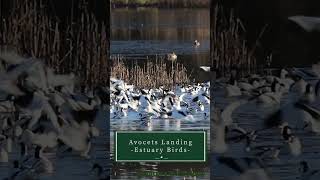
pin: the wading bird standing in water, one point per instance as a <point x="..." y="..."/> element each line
<point x="196" y="43"/>
<point x="172" y="57"/>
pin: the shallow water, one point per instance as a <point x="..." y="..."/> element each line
<point x="145" y="32"/>
<point x="142" y="34"/>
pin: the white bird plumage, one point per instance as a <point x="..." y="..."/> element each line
<point x="307" y="23"/>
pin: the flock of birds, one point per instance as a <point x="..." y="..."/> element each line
<point x="189" y="102"/>
<point x="300" y="111"/>
<point x="293" y="96"/>
<point x="40" y="112"/>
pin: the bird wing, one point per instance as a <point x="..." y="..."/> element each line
<point x="10" y="88"/>
<point x="313" y="172"/>
<point x="232" y="163"/>
<point x="182" y="113"/>
<point x="10" y="57"/>
<point x="205" y="68"/>
<point x="236" y="138"/>
<point x="59" y="80"/>
<point x="310" y="74"/>
<point x="312" y="111"/>
<point x="227" y="112"/>
<point x="51" y="115"/>
<point x="307" y="23"/>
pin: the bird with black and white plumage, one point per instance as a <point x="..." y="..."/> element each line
<point x="196" y="43"/>
<point x="267" y="152"/>
<point x="180" y="103"/>
<point x="273" y="97"/>
<point x="312" y="116"/>
<point x="240" y="134"/>
<point x="309" y="95"/>
<point x="45" y="111"/>
<point x="99" y="172"/>
<point x="294" y="145"/>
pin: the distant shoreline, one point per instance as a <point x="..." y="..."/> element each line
<point x="162" y="4"/>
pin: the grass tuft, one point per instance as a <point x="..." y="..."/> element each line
<point x="151" y="74"/>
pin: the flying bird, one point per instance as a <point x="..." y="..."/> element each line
<point x="307" y="23"/>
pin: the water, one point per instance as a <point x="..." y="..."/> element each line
<point x="143" y="33"/>
<point x="250" y="117"/>
<point x="132" y="170"/>
<point x="146" y="32"/>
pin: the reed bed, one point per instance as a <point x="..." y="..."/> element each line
<point x="80" y="47"/>
<point x="163" y="3"/>
<point x="152" y="73"/>
<point x="229" y="48"/>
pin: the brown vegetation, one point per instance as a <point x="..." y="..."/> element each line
<point x="229" y="48"/>
<point x="152" y="74"/>
<point x="163" y="3"/>
<point x="80" y="47"/>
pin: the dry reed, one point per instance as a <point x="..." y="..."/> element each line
<point x="151" y="74"/>
<point x="163" y="3"/>
<point x="229" y="49"/>
<point x="80" y="47"/>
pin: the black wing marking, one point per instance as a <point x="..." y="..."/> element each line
<point x="136" y="98"/>
<point x="262" y="152"/>
<point x="314" y="172"/>
<point x="182" y="113"/>
<point x="236" y="138"/>
<point x="308" y="73"/>
<point x="312" y="111"/>
<point x="195" y="99"/>
<point x="231" y="162"/>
